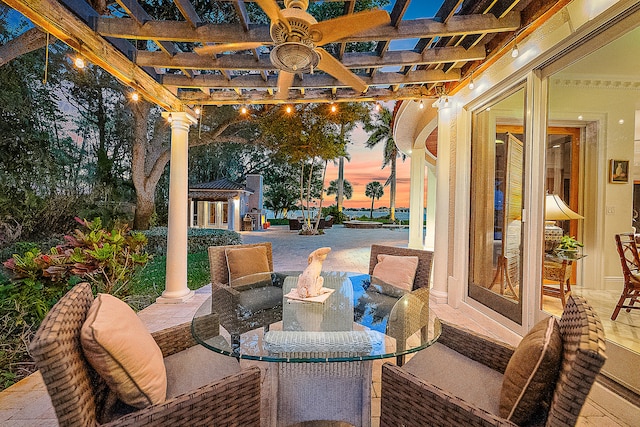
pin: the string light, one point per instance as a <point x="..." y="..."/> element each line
<point x="515" y="52"/>
<point x="471" y="84"/>
<point x="79" y="62"/>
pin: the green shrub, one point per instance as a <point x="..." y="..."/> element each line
<point x="338" y="217"/>
<point x="278" y="221"/>
<point x="108" y="259"/>
<point x="198" y="239"/>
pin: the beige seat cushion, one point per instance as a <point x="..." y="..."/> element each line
<point x="119" y="347"/>
<point x="399" y="271"/>
<point x="196" y="367"/>
<point x="532" y="372"/>
<point x="458" y="375"/>
<point x="247" y="265"/>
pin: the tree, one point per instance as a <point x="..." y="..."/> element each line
<point x="307" y="138"/>
<point x="151" y="150"/>
<point x="333" y="189"/>
<point x="381" y="132"/>
<point x="375" y="191"/>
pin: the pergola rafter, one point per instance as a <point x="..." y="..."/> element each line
<point x="458" y="39"/>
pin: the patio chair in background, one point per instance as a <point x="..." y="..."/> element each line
<point x="241" y="308"/>
<point x="429" y="389"/>
<point x="628" y="251"/>
<point x="404" y="321"/>
<point x="81" y="397"/>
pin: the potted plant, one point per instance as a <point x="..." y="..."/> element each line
<point x="568" y="246"/>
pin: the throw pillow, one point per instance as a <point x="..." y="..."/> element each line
<point x="398" y="271"/>
<point x="121" y="350"/>
<point x="248" y="265"/>
<point x="532" y="372"/>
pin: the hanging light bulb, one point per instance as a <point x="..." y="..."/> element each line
<point x="515" y="52"/>
<point x="79" y="62"/>
<point x="197" y="111"/>
<point x="288" y="109"/>
<point x="334" y="108"/>
<point x="421" y="106"/>
<point x="378" y="107"/>
<point x="135" y="96"/>
<point x="471" y="84"/>
<point x="446" y="102"/>
<point x="169" y="118"/>
<point x="243" y="110"/>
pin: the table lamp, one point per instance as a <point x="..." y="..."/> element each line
<point x="555" y="210"/>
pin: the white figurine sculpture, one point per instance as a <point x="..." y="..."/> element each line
<point x="310" y="282"/>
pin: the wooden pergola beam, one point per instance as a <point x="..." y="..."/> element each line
<point x="316" y="95"/>
<point x="255" y="81"/>
<point x="247" y="62"/>
<point x="63" y="24"/>
<point x="179" y="31"/>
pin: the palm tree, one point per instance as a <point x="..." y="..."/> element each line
<point x="375" y="191"/>
<point x="381" y="131"/>
<point x="346" y="186"/>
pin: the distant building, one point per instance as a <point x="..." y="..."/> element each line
<point x="225" y="204"/>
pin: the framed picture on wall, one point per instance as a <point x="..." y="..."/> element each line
<point x="619" y="171"/>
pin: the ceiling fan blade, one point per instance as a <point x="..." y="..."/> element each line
<point x="285" y="80"/>
<point x="335" y="29"/>
<point x="332" y="66"/>
<point x="213" y="49"/>
<point x="273" y="11"/>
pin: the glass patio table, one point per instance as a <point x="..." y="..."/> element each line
<point x="323" y="350"/>
<point x="381" y="320"/>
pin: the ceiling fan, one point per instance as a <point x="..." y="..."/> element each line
<point x="297" y="36"/>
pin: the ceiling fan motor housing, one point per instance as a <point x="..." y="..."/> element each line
<point x="294" y="50"/>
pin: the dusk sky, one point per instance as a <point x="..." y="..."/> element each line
<point x="365" y="165"/>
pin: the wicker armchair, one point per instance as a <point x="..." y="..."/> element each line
<point x="405" y="320"/>
<point x="409" y="399"/>
<point x="81" y="398"/>
<point x="628" y="251"/>
<point x="235" y="306"/>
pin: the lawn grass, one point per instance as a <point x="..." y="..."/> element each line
<point x="148" y="283"/>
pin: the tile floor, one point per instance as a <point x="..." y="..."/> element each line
<point x="27" y="403"/>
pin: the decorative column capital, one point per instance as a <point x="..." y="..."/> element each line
<point x="179" y="119"/>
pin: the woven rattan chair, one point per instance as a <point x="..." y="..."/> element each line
<point x="410" y="400"/>
<point x="628" y="251"/>
<point x="405" y="320"/>
<point x="81" y="398"/>
<point x="233" y="305"/>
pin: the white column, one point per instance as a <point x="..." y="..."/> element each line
<point x="416" y="199"/>
<point x="430" y="236"/>
<point x="176" y="290"/>
<point x="439" y="291"/>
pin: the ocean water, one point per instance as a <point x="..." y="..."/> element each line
<point x="402" y="214"/>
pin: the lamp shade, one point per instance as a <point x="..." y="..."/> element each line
<point x="556" y="210"/>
